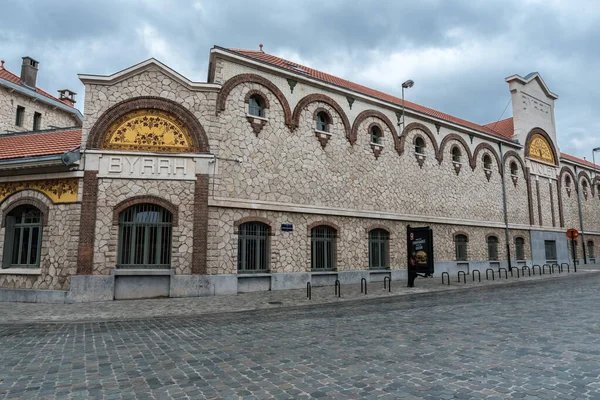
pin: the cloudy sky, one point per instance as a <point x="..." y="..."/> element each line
<point x="457" y="52"/>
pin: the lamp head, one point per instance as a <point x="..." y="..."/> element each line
<point x="408" y="84"/>
<point x="596" y="149"/>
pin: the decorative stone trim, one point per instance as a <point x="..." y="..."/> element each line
<point x="543" y="133"/>
<point x="188" y="119"/>
<point x="253" y="78"/>
<point x="372" y="227"/>
<point x="323" y="137"/>
<point x="87" y="223"/>
<point x="446" y="140"/>
<point x="319" y="223"/>
<point x="20" y="271"/>
<point x="515" y="179"/>
<point x="145" y="199"/>
<point x="200" y="228"/>
<point x="44" y="209"/>
<point x="379" y="115"/>
<point x="418" y="126"/>
<point x="488" y="173"/>
<point x="257" y="123"/>
<point x="457" y="167"/>
<point x="236" y="224"/>
<point x="489" y="148"/>
<point x="420" y="159"/>
<point x="311" y="98"/>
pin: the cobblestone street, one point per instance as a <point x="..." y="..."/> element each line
<point x="533" y="341"/>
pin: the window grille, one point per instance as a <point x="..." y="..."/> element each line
<point x="255" y="106"/>
<point x="492" y="248"/>
<point x="322" y="122"/>
<point x="145" y="236"/>
<point x="487" y="162"/>
<point x="376" y="135"/>
<point x="323" y="248"/>
<point x="253" y="247"/>
<point x="456" y="155"/>
<point x="419" y="146"/>
<point x="590" y="248"/>
<point x="520" y="248"/>
<point x="23" y="240"/>
<point x="460" y="242"/>
<point x="379" y="249"/>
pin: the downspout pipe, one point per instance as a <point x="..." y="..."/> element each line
<point x="507" y="236"/>
<point x="580" y="214"/>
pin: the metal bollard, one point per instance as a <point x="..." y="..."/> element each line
<point x="363" y="280"/>
<point x="448" y="275"/>
<point x="505" y="273"/>
<point x="544" y="269"/>
<point x="389" y="283"/>
<point x="568" y="267"/>
<point x="523" y="270"/>
<point x="478" y="274"/>
<point x="539" y="269"/>
<point x="464" y="276"/>
<point x="338" y="288"/>
<point x="486" y="274"/>
<point x="309" y="290"/>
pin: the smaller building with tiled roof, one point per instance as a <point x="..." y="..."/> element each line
<point x="25" y="107"/>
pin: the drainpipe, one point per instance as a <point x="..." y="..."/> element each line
<point x="580" y="215"/>
<point x="507" y="239"/>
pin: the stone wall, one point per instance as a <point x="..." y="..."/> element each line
<point x="51" y="116"/>
<point x="111" y="192"/>
<point x="290" y="251"/>
<point x="58" y="257"/>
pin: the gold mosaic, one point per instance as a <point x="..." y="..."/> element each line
<point x="148" y="130"/>
<point x="58" y="190"/>
<point x="540" y="149"/>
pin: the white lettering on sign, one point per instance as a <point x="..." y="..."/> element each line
<point x="147" y="167"/>
<point x="544" y="170"/>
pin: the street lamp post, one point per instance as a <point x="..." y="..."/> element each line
<point x="406" y="85"/>
<point x="594" y="158"/>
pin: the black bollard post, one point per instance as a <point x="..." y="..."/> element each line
<point x="363" y="280"/>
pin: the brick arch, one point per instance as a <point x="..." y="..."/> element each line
<point x="514" y="154"/>
<point x="311" y="98"/>
<point x="198" y="134"/>
<point x="326" y="223"/>
<point x="382" y="117"/>
<point x="258" y="93"/>
<point x="418" y="126"/>
<point x="326" y="112"/>
<point x="489" y="235"/>
<point x="457" y="233"/>
<point x="32" y="201"/>
<point x="146" y="199"/>
<point x="236" y="224"/>
<point x="567" y="170"/>
<point x="378" y="125"/>
<point x="458" y="138"/>
<point x="253" y="78"/>
<point x="543" y="133"/>
<point x="584" y="175"/>
<point x="373" y="227"/>
<point x="486" y="146"/>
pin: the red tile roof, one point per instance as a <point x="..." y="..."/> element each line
<point x="294" y="67"/>
<point x="9" y="76"/>
<point x="505" y="127"/>
<point x="579" y="160"/>
<point x="31" y="144"/>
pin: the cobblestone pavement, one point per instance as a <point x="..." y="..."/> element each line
<point x="532" y="341"/>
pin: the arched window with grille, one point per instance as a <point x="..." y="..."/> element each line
<point x="461" y="242"/>
<point x="322" y="122"/>
<point x="254" y="247"/>
<point x="145" y="235"/>
<point x="419" y="145"/>
<point x="379" y="249"/>
<point x="456" y="154"/>
<point x="23" y="238"/>
<point x="520" y="248"/>
<point x="376" y="134"/>
<point x="492" y="243"/>
<point x="256" y="106"/>
<point x="323" y="248"/>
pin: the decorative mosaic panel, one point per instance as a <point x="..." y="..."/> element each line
<point x="58" y="190"/>
<point x="148" y="130"/>
<point x="540" y="149"/>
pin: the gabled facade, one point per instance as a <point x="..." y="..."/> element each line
<point x="272" y="174"/>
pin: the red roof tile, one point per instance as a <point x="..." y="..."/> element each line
<point x="505" y="127"/>
<point x="579" y="160"/>
<point x="33" y="144"/>
<point x="294" y="67"/>
<point x="9" y="76"/>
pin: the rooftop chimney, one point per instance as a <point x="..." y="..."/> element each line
<point x="29" y="71"/>
<point x="67" y="96"/>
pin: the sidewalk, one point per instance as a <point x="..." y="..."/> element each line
<point x="11" y="313"/>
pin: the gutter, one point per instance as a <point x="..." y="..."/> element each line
<point x="40" y="97"/>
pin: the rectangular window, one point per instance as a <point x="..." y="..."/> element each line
<point x="520" y="248"/>
<point x="20" y="116"/>
<point x="550" y="246"/>
<point x="37" y="121"/>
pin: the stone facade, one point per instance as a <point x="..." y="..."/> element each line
<point x="51" y="116"/>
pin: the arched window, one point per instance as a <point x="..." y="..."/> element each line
<point x="487" y="161"/>
<point x="598" y="191"/>
<point x="419" y="145"/>
<point x="590" y="248"/>
<point x="323" y="248"/>
<point x="323" y="122"/>
<point x="456" y="154"/>
<point x="145" y="233"/>
<point x="568" y="182"/>
<point x="492" y="243"/>
<point x="514" y="168"/>
<point x="584" y="185"/>
<point x="23" y="238"/>
<point x="376" y="134"/>
<point x="256" y="106"/>
<point x="254" y="247"/>
<point x="460" y="244"/>
<point x="520" y="248"/>
<point x="379" y="249"/>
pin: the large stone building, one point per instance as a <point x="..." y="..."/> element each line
<point x="271" y="175"/>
